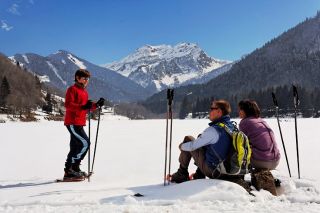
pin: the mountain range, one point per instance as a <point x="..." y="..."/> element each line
<point x="159" y="67"/>
<point x="136" y="77"/>
<point x="58" y="70"/>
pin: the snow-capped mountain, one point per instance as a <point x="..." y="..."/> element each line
<point x="158" y="67"/>
<point x="202" y="79"/>
<point x="58" y="70"/>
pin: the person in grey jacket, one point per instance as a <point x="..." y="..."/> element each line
<point x="204" y="150"/>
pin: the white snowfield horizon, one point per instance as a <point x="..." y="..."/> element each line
<point x="130" y="159"/>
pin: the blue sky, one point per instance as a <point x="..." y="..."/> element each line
<point x="102" y="31"/>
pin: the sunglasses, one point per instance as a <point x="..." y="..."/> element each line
<point x="84" y="78"/>
<point x="214" y="108"/>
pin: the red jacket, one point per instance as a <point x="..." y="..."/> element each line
<point x="76" y="97"/>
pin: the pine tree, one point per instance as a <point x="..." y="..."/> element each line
<point x="4" y="91"/>
<point x="38" y="82"/>
<point x="185" y="108"/>
<point x="48" y="107"/>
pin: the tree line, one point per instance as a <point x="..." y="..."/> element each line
<point x="309" y="102"/>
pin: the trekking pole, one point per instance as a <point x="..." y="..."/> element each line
<point x="89" y="120"/>
<point x="95" y="145"/>
<point x="167" y="127"/>
<point x="166" y="147"/>
<point x="296" y="103"/>
<point x="170" y="142"/>
<point x="275" y="102"/>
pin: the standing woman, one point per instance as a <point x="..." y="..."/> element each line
<point x="265" y="152"/>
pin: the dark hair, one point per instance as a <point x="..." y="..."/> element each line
<point x="224" y="106"/>
<point x="81" y="73"/>
<point x="250" y="108"/>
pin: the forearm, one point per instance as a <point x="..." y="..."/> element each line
<point x="192" y="145"/>
<point x="209" y="136"/>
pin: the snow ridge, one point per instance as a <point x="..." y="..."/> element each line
<point x="56" y="72"/>
<point x="76" y="61"/>
<point x="26" y="58"/>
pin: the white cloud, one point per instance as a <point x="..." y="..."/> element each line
<point x="14" y="9"/>
<point x="5" y="26"/>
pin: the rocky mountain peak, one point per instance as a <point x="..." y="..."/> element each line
<point x="157" y="67"/>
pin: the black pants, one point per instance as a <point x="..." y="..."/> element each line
<point x="79" y="145"/>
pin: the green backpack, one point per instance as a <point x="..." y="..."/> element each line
<point x="238" y="160"/>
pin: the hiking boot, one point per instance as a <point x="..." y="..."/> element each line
<point x="71" y="174"/>
<point x="198" y="175"/>
<point x="180" y="176"/>
<point x="76" y="168"/>
<point x="263" y="179"/>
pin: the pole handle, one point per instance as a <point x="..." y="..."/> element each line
<point x="295" y="96"/>
<point x="170" y="94"/>
<point x="275" y="102"/>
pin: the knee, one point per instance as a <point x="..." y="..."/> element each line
<point x="88" y="143"/>
<point x="188" y="138"/>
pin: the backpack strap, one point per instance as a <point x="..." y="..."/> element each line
<point x="222" y="125"/>
<point x="225" y="127"/>
<point x="220" y="167"/>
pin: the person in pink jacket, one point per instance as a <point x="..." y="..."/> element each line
<point x="265" y="152"/>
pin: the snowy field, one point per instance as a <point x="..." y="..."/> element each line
<point x="130" y="159"/>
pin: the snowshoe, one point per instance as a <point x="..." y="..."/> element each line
<point x="71" y="179"/>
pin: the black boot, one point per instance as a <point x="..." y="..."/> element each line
<point x="69" y="173"/>
<point x="180" y="176"/>
<point x="76" y="168"/>
<point x="198" y="175"/>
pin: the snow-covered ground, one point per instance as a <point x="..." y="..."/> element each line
<point x="130" y="159"/>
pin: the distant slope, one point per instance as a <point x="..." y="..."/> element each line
<point x="25" y="89"/>
<point x="59" y="69"/>
<point x="202" y="79"/>
<point x="293" y="57"/>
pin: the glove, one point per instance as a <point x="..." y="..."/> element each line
<point x="100" y="102"/>
<point x="88" y="105"/>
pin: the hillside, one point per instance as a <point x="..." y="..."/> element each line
<point x="23" y="90"/>
<point x="291" y="58"/>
